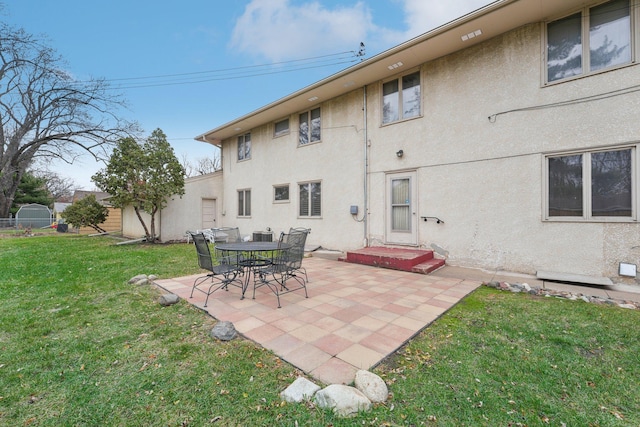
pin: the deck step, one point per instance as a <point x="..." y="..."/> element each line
<point x="405" y="259"/>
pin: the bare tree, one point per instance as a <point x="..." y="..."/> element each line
<point x="202" y="165"/>
<point x="45" y="112"/>
<point x="61" y="188"/>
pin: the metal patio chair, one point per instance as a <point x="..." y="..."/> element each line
<point x="227" y="234"/>
<point x="221" y="274"/>
<point x="283" y="267"/>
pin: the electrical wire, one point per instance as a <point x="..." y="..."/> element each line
<point x="232" y="73"/>
<point x="591" y="98"/>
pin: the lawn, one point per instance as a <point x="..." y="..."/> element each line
<point x="81" y="347"/>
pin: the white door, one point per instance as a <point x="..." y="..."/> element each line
<point x="401" y="210"/>
<point x="208" y="213"/>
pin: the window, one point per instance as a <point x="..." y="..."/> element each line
<point x="310" y="199"/>
<point x="281" y="128"/>
<point x="309" y="127"/>
<point x="281" y="193"/>
<point x="401" y="98"/>
<point x="593" y="39"/>
<point x="591" y="185"/>
<point x="244" y="147"/>
<point x="244" y="202"/>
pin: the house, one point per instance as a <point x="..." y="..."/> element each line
<point x="507" y="139"/>
<point x="58" y="208"/>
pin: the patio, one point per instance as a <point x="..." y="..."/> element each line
<point x="354" y="317"/>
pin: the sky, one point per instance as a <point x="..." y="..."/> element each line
<point x="188" y="67"/>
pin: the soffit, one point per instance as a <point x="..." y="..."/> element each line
<point x="492" y="20"/>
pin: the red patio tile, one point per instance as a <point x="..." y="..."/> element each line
<point x="264" y="333"/>
<point x="335" y="371"/>
<point x="381" y="343"/>
<point x="333" y="344"/>
<point x="307" y="357"/>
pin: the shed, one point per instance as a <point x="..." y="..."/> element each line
<point x="33" y="215"/>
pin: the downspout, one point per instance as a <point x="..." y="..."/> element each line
<point x="365" y="240"/>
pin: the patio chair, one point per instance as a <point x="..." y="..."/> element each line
<point x="307" y="231"/>
<point x="226" y="234"/>
<point x="222" y="274"/>
<point x="284" y="266"/>
<point x="208" y="234"/>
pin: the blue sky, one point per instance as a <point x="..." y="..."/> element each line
<point x="133" y="42"/>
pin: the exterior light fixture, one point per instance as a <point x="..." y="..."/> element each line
<point x="399" y="153"/>
<point x="396" y="65"/>
<point x="313" y="98"/>
<point x="471" y="35"/>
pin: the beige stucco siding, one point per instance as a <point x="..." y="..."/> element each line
<point x="336" y="161"/>
<point x="182" y="213"/>
<point x="485" y="178"/>
<point x="478" y="151"/>
<point x="185" y="213"/>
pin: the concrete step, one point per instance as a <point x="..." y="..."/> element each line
<point x="429" y="266"/>
<point x="405" y="259"/>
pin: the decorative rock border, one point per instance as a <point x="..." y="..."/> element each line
<point x="345" y="401"/>
<point x="524" y="287"/>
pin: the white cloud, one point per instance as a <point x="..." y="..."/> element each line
<point x="280" y="30"/>
<point x="424" y="15"/>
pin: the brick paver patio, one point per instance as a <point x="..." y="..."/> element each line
<point x="355" y="315"/>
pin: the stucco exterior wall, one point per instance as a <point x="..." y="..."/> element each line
<point x="337" y="161"/>
<point x="478" y="152"/>
<point x="185" y="213"/>
<point x="181" y="213"/>
<point x="485" y="177"/>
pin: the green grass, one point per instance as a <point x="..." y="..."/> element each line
<point x="81" y="347"/>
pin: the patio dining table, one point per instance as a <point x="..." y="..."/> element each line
<point x="252" y="255"/>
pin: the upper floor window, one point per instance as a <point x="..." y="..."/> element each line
<point x="401" y="98"/>
<point x="591" y="185"/>
<point x="244" y="202"/>
<point x="310" y="199"/>
<point x="244" y="146"/>
<point x="593" y="39"/>
<point x="281" y="128"/>
<point x="309" y="127"/>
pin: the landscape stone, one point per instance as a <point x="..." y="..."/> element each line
<point x="345" y="401"/>
<point x="168" y="299"/>
<point x="372" y="386"/>
<point x="224" y="331"/>
<point x="141" y="282"/>
<point x="301" y="389"/>
<point x="134" y="279"/>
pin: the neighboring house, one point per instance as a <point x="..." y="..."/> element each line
<point x="517" y="125"/>
<point x="198" y="208"/>
<point x="58" y="208"/>
<point x="114" y="217"/>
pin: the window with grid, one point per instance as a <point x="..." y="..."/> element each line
<point x="401" y="98"/>
<point x="244" y="147"/>
<point x="310" y="199"/>
<point x="588" y="41"/>
<point x="591" y="185"/>
<point x="309" y="127"/>
<point x="244" y="202"/>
